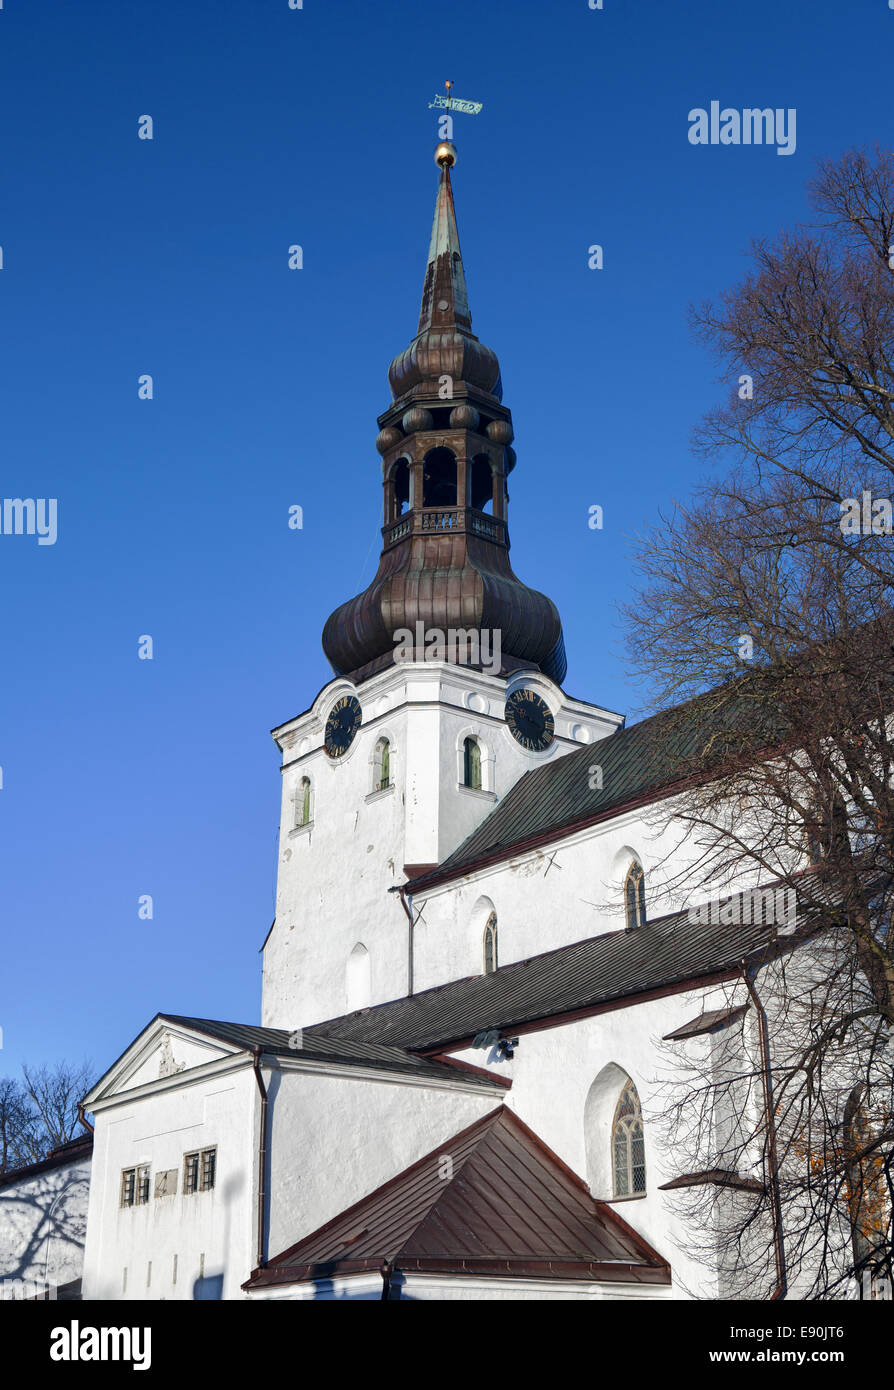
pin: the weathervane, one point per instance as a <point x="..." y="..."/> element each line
<point x="450" y="103"/>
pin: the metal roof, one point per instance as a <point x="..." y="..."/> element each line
<point x="635" y="763"/>
<point x="341" y="1051"/>
<point x="493" y="1200"/>
<point x="584" y="975"/>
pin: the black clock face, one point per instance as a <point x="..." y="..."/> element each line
<point x="342" y="725"/>
<point x="530" y="720"/>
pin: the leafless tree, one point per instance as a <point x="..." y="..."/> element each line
<point x="764" y="625"/>
<point x="41" y="1112"/>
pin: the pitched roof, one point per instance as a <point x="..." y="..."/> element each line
<point x="341" y="1051"/>
<point x="669" y="951"/>
<point x="636" y="763"/>
<point x="74" y="1151"/>
<point x="559" y="795"/>
<point x="504" y="1204"/>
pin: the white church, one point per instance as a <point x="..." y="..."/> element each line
<point x="448" y="1095"/>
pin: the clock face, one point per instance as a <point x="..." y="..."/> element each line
<point x="530" y="720"/>
<point x="342" y="725"/>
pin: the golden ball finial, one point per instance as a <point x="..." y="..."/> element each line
<point x="445" y="154"/>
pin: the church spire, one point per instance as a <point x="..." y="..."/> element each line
<point x="446" y="453"/>
<point x="444" y="298"/>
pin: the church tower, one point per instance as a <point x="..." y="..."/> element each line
<point x="448" y="674"/>
<point x="446" y="453"/>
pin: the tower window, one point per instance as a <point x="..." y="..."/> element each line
<point x="303" y="803"/>
<point x="472" y="764"/>
<point x="635" y="896"/>
<point x="401" y="479"/>
<point x="439" y="479"/>
<point x="490" y="944"/>
<point x="382" y="766"/>
<point x="628" y="1145"/>
<point x="482" y="493"/>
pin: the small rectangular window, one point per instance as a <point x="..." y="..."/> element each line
<point x="128" y="1187"/>
<point x="191" y="1173"/>
<point x="142" y="1194"/>
<point x="209" y="1167"/>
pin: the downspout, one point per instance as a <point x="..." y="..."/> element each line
<point x="399" y="888"/>
<point x="85" y="1122"/>
<point x="262" y="1154"/>
<point x="772" y="1159"/>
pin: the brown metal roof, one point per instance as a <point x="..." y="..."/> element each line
<point x="491" y="1200"/>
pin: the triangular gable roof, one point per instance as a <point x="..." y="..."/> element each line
<point x="493" y="1200"/>
<point x="200" y="1040"/>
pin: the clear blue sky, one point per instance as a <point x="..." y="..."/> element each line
<point x="121" y="256"/>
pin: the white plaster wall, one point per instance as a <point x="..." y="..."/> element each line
<point x="552" y="1073"/>
<point x="334" y="1139"/>
<point x="158" y="1128"/>
<point x="334" y="875"/>
<point x="43" y="1221"/>
<point x="549" y="897"/>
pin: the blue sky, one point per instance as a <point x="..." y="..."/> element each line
<point x="123" y="256"/>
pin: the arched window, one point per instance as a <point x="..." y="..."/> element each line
<point x="439" y="479"/>
<point x="472" y="764"/>
<point x="303" y="803"/>
<point x="490" y="944"/>
<point x="382" y="765"/>
<point x="482" y="486"/>
<point x="635" y="896"/>
<point x="358" y="983"/>
<point x="628" y="1145"/>
<point x="400" y="477"/>
<point x="865" y="1187"/>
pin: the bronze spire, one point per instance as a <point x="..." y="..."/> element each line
<point x="445" y="445"/>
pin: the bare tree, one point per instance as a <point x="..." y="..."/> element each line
<point x="55" y="1094"/>
<point x="41" y="1113"/>
<point x="764" y="624"/>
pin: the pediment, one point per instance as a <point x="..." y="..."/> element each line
<point x="163" y="1050"/>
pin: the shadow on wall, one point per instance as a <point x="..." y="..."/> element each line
<point x="209" y="1288"/>
<point x="324" y="1289"/>
<point x="42" y="1233"/>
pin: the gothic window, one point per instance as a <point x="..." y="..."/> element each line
<point x="490" y="944"/>
<point x="472" y="764"/>
<point x="635" y="896"/>
<point x="827" y="831"/>
<point x="303" y="803"/>
<point x="439" y="479"/>
<point x="864" y="1186"/>
<point x="382" y="765"/>
<point x="628" y="1145"/>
